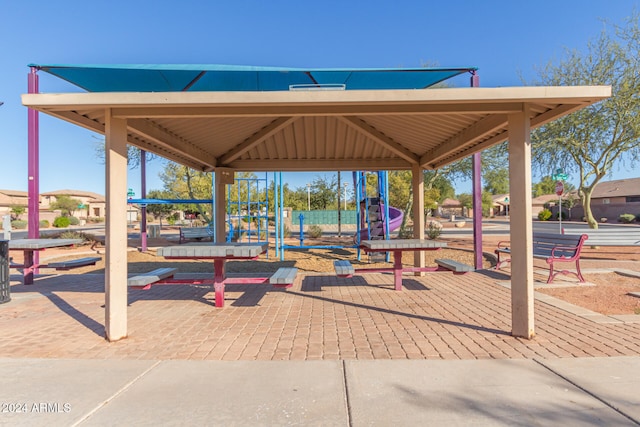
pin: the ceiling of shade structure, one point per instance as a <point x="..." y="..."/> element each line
<point x="273" y="119"/>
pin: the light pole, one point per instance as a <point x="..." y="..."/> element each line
<point x="345" y="195"/>
<point x="308" y="197"/>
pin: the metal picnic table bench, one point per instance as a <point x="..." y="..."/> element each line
<point x="220" y="253"/>
<point x="344" y="268"/>
<point x="30" y="246"/>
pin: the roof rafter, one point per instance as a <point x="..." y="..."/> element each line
<point x="467" y="137"/>
<point x="256" y="139"/>
<point x="150" y="130"/>
<point x="379" y="137"/>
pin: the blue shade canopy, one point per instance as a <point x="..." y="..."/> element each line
<point x="178" y="78"/>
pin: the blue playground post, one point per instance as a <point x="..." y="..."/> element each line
<point x="301" y="218"/>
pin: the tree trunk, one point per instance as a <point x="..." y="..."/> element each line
<point x="407" y="209"/>
<point x="586" y="204"/>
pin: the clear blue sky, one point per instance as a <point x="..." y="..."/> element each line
<point x="505" y="39"/>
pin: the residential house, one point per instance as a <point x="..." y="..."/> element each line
<point x="451" y="208"/>
<point x="92" y="205"/>
<point x="610" y="199"/>
<point x="12" y="198"/>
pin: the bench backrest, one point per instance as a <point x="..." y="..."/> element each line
<point x="545" y="243"/>
<point x="628" y="237"/>
<point x="195" y="231"/>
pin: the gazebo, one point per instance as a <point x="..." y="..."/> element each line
<point x="225" y="119"/>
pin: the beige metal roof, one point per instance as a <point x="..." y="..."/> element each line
<point x="318" y="130"/>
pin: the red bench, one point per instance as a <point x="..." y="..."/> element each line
<point x="553" y="248"/>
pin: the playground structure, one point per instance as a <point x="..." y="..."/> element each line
<point x="250" y="206"/>
<point x="375" y="218"/>
<point x="248" y="209"/>
<point x="247" y="213"/>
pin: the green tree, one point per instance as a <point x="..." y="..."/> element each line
<point x="591" y="141"/>
<point x="466" y="200"/>
<point x="324" y="193"/>
<point x="182" y="182"/>
<point x="160" y="210"/>
<point x="497" y="181"/>
<point x="296" y="199"/>
<point x="569" y="202"/>
<point x="445" y="188"/>
<point x="66" y="204"/>
<point x="16" y="211"/>
<point x="431" y="199"/>
<point x="547" y="185"/>
<point x="487" y="204"/>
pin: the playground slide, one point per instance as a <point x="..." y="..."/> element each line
<point x="395" y="220"/>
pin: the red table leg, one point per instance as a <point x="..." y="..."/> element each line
<point x="29" y="267"/>
<point x="397" y="270"/>
<point x="218" y="280"/>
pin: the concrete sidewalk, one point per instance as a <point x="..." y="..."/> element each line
<point x="64" y="392"/>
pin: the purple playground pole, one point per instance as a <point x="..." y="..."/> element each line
<point x="143" y="191"/>
<point x="33" y="166"/>
<point x="477" y="196"/>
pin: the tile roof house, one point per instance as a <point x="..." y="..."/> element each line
<point x="93" y="203"/>
<point x="12" y="198"/>
<point x="610" y="199"/>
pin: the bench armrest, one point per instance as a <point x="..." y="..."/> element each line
<point x="564" y="248"/>
<point x="504" y="244"/>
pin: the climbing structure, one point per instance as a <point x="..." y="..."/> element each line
<point x="376" y="219"/>
<point x="247" y="209"/>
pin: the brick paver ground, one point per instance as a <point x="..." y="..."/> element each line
<point x="438" y="316"/>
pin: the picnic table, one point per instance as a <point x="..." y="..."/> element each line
<point x="30" y="246"/>
<point x="397" y="247"/>
<point x="220" y="253"/>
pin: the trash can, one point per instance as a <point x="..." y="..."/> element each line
<point x="5" y="292"/>
<point x="153" y="230"/>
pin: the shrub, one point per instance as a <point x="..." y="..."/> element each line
<point x="95" y="219"/>
<point x="406" y="233"/>
<point x="627" y="218"/>
<point x="73" y="220"/>
<point x="638" y="217"/>
<point x="544" y="215"/>
<point x="434" y="229"/>
<point x="564" y="215"/>
<point x="314" y="231"/>
<point x="44" y="223"/>
<point x="19" y="224"/>
<point x="61" y="222"/>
